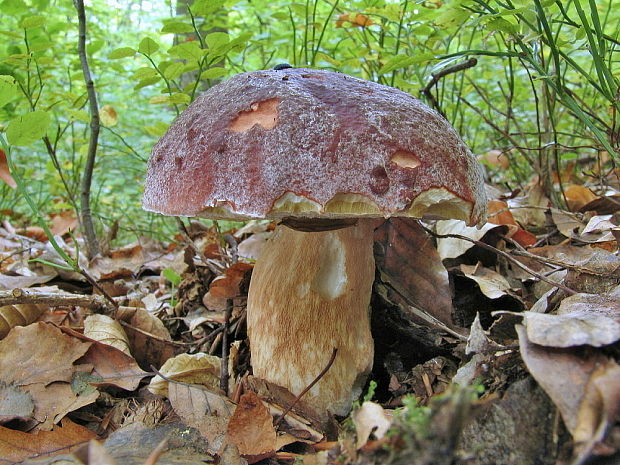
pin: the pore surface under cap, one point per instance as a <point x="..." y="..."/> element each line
<point x="301" y="142"/>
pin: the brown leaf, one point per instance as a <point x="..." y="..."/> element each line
<point x="18" y="315"/>
<point x="64" y="222"/>
<point x="578" y="196"/>
<point x="5" y="174"/>
<point x="200" y="368"/>
<point x="582" y="384"/>
<point x="409" y="262"/>
<point x="106" y="330"/>
<point x="581" y="319"/>
<point x="251" y="429"/>
<point x="17" y="446"/>
<point x="147" y="339"/>
<point x="40" y="359"/>
<point x="115" y="367"/>
<point x="202" y="409"/>
<point x="227" y="285"/>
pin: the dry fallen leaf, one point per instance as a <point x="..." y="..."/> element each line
<point x="578" y="196"/>
<point x="148" y="338"/>
<point x="581" y="319"/>
<point x="14" y="403"/>
<point x="227" y="285"/>
<point x="204" y="410"/>
<point x="5" y="174"/>
<point x="19" y="315"/>
<point x="44" y="367"/>
<point x="369" y="419"/>
<point x="491" y="283"/>
<point x="408" y="261"/>
<point x="106" y="330"/>
<point x="578" y="383"/>
<point x="64" y="222"/>
<point x="251" y="429"/>
<point x="453" y="247"/>
<point x="198" y="368"/>
<point x="17" y="446"/>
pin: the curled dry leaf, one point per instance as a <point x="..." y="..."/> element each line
<point x="5" y="174"/>
<point x="369" y="419"/>
<point x="492" y="284"/>
<point x="582" y="384"/>
<point x="202" y="369"/>
<point x="578" y="196"/>
<point x="499" y="213"/>
<point x="451" y="247"/>
<point x="44" y="366"/>
<point x="108" y="331"/>
<point x="108" y="116"/>
<point x="251" y="429"/>
<point x="581" y="319"/>
<point x="148" y="338"/>
<point x="17" y="446"/>
<point x="227" y="285"/>
<point x="409" y="263"/>
<point x="18" y="315"/>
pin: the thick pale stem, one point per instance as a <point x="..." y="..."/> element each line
<point x="310" y="293"/>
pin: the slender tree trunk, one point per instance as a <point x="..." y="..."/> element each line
<point x="92" y="245"/>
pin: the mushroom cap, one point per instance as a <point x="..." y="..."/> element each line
<point x="308" y="143"/>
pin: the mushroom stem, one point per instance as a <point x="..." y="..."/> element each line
<point x="310" y="293"/>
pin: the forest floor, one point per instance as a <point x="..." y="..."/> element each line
<point x="496" y="345"/>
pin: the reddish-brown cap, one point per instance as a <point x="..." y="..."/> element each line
<point x="310" y="143"/>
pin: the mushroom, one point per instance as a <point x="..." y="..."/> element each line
<point x="327" y="154"/>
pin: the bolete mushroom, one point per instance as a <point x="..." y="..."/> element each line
<point x="327" y="154"/>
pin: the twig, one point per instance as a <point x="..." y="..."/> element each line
<point x="151" y="335"/>
<point x="224" y="365"/>
<point x="307" y="388"/>
<point x="444" y="72"/>
<point x="505" y="255"/>
<point x="31" y="296"/>
<point x="92" y="246"/>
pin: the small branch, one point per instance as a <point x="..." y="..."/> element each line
<point x="505" y="255"/>
<point x="92" y="245"/>
<point x="307" y="388"/>
<point x="445" y="72"/>
<point x="224" y="366"/>
<point x="32" y="296"/>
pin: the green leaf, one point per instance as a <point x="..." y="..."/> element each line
<point x="94" y="46"/>
<point x="206" y="7"/>
<point x="213" y="73"/>
<point x="299" y="9"/>
<point x="31" y="22"/>
<point x="174" y="70"/>
<point x="402" y="61"/>
<point x="501" y="25"/>
<point x="78" y="115"/>
<point x="157" y="130"/>
<point x="29" y="128"/>
<point x="13" y="7"/>
<point x="147" y="82"/>
<point x="187" y="51"/>
<point x="148" y="46"/>
<point x="170" y="99"/>
<point x="216" y="40"/>
<point x="122" y="52"/>
<point x="176" y="27"/>
<point x="172" y="276"/>
<point x="8" y="89"/>
<point x="144" y="72"/>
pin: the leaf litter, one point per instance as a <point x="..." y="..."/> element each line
<point x="473" y="347"/>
